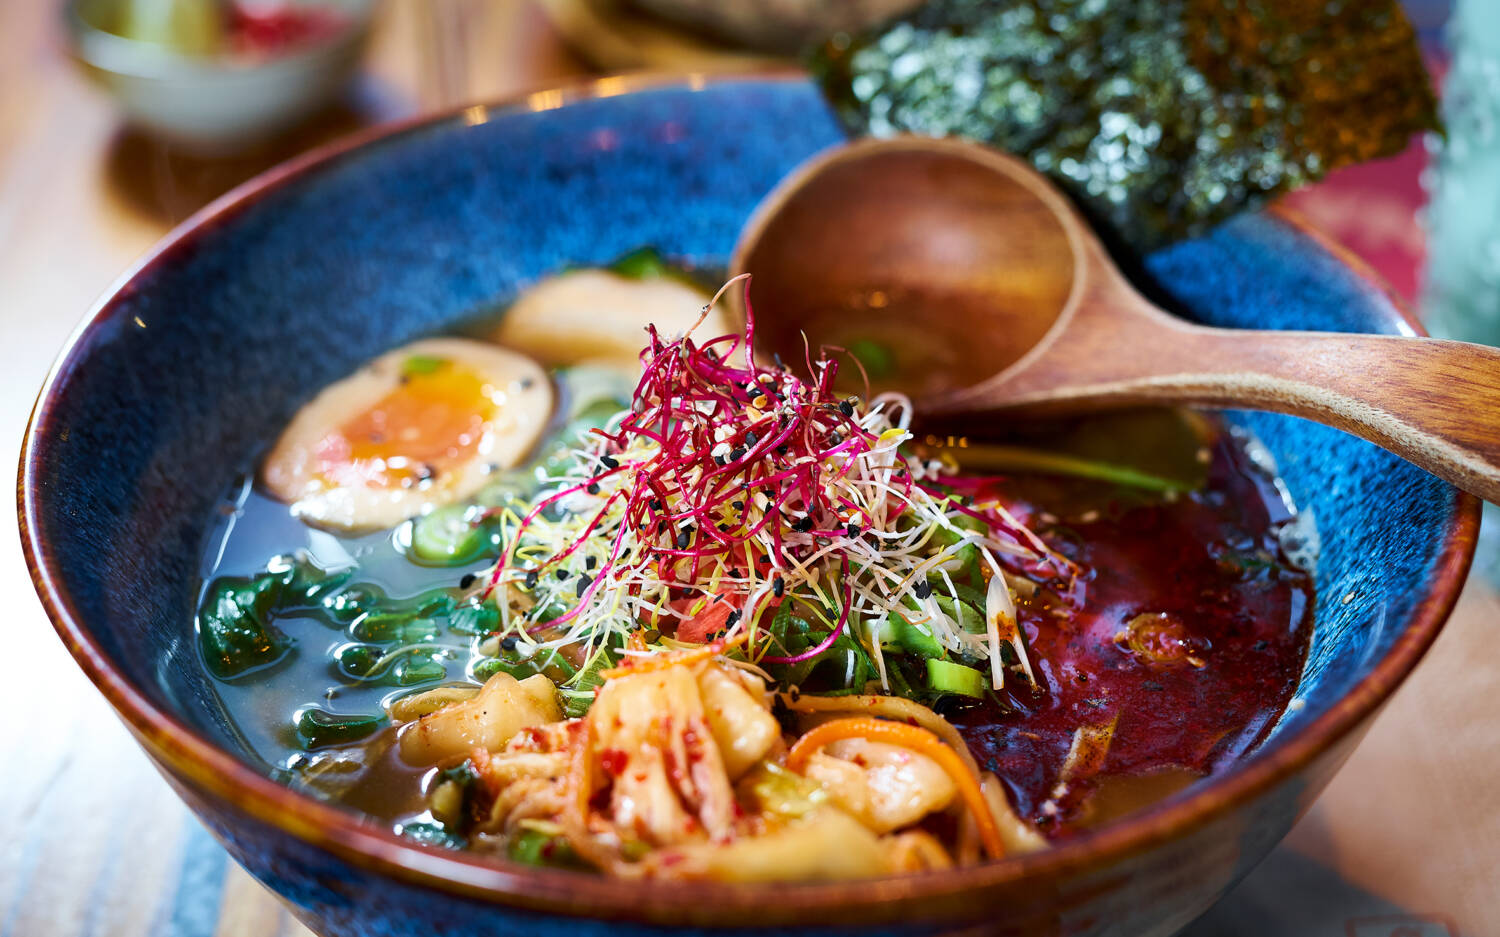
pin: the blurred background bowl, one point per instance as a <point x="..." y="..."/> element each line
<point x="783" y="26"/>
<point x="217" y="100"/>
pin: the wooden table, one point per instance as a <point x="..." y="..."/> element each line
<point x="93" y="843"/>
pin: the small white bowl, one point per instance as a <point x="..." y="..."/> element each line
<point x="213" y="103"/>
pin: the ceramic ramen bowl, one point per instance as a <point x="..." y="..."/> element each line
<point x="203" y="352"/>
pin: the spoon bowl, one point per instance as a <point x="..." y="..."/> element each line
<point x="959" y="275"/>
<point x="931" y="277"/>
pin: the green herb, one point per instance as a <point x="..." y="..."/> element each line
<point x="431" y="834"/>
<point x="983" y="456"/>
<point x="404" y="621"/>
<point x="418" y="668"/>
<point x="236" y="620"/>
<point x="421" y="364"/>
<point x="399" y="627"/>
<point x="896" y="633"/>
<point x="533" y="847"/>
<point x="643" y="263"/>
<point x="357" y="660"/>
<point x="487" y="667"/>
<point x="1162" y="117"/>
<point x="580" y="697"/>
<point x="845" y="667"/>
<point x="944" y="676"/>
<point x="346" y="605"/>
<point x="317" y="728"/>
<point x="474" y="617"/>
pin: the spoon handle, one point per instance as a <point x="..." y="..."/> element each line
<point x="1435" y="403"/>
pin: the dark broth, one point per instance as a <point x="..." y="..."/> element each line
<point x="1213" y="563"/>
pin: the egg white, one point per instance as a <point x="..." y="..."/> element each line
<point x="517" y="387"/>
<point x="599" y="318"/>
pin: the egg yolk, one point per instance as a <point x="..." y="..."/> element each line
<point x="432" y="423"/>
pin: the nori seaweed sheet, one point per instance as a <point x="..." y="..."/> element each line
<point x="1161" y="117"/>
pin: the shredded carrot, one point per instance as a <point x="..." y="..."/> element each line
<point x="661" y="661"/>
<point x="907" y="736"/>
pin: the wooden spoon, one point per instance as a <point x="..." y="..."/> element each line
<point x="993" y="295"/>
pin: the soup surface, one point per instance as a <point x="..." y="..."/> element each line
<point x="698" y="661"/>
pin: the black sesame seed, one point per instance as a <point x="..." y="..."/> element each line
<point x="733" y="619"/>
<point x="531" y="579"/>
<point x="835" y="438"/>
<point x="847" y="407"/>
<point x="468" y="580"/>
<point x="804" y="525"/>
<point x="737" y="505"/>
<point x="562" y="575"/>
<point x="852" y="530"/>
<point x="509" y="642"/>
<point x="661" y="525"/>
<point x="718" y="459"/>
<point x="684" y="538"/>
<point x="583" y="583"/>
<point x="781" y="449"/>
<point x="755" y="391"/>
<point x="610" y="462"/>
<point x="778" y="586"/>
<point x="751" y="439"/>
<point x="737" y="454"/>
<point x="922" y="590"/>
<point x="590" y="562"/>
<point x="655" y="504"/>
<point x="593" y="488"/>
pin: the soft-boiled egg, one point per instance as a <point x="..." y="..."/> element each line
<point x="598" y="317"/>
<point x="418" y="427"/>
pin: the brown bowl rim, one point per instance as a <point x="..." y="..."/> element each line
<point x="233" y="785"/>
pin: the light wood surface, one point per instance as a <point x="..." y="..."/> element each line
<point x="93" y="844"/>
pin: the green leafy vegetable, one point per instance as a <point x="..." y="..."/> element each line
<point x="431" y="834"/>
<point x="534" y="847"/>
<point x="474" y="617"/>
<point x="580" y="697"/>
<point x="236" y="620"/>
<point x="358" y="660"/>
<point x="1162" y="117"/>
<point x="317" y="728"/>
<point x="418" y="668"/>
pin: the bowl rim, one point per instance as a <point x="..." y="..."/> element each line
<point x="212" y="772"/>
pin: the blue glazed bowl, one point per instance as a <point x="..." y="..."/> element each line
<point x="207" y="348"/>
